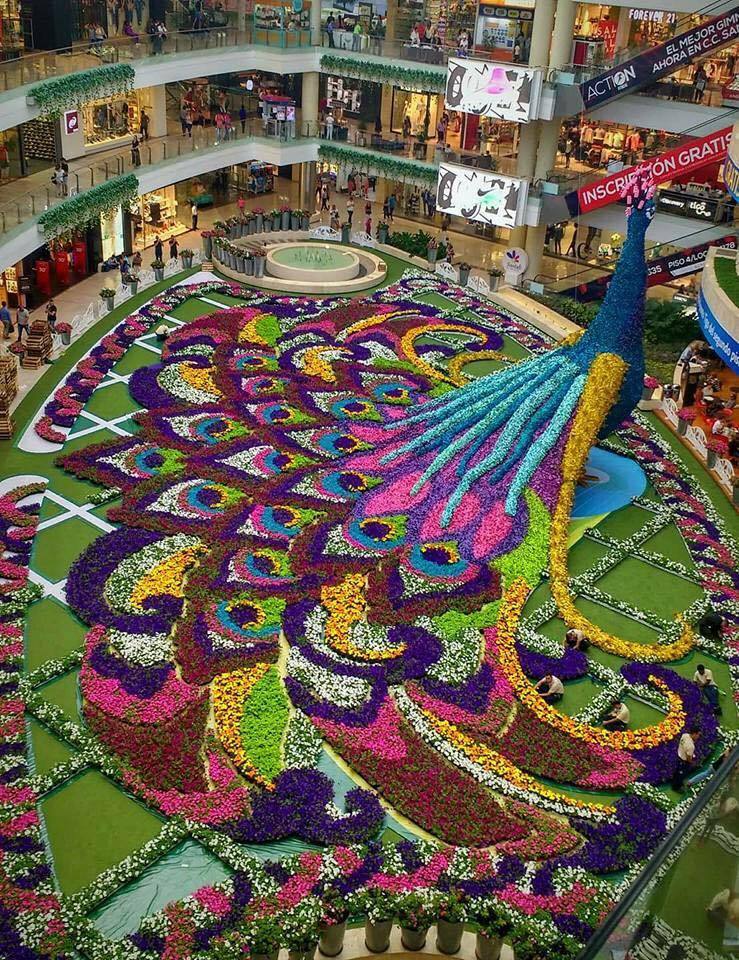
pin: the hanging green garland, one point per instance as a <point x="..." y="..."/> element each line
<point x="409" y="78"/>
<point x="58" y="94"/>
<point x="393" y="168"/>
<point x="84" y="208"/>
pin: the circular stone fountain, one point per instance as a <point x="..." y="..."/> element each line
<point x="304" y="266"/>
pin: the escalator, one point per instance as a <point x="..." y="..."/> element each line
<point x="651" y="65"/>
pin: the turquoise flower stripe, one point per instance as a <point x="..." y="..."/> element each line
<point x="543" y="444"/>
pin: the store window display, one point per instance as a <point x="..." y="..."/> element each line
<point x="156" y="213"/>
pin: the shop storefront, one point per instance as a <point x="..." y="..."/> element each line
<point x="12" y="40"/>
<point x="595" y="35"/>
<point x="498" y="26"/>
<point x="422" y="109"/>
<point x="106" y="122"/>
<point x="647" y="28"/>
<point x="154" y="214"/>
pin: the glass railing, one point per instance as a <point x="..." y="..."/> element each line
<point x="25" y="206"/>
<point x="684" y="905"/>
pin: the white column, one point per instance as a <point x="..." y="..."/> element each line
<point x="541" y="33"/>
<point x="156" y="96"/>
<point x="315" y="22"/>
<point x="309" y="108"/>
<point x="623" y="28"/>
<point x="564" y="26"/>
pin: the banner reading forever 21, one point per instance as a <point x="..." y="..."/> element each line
<point x="481" y="195"/>
<point x="661" y="60"/>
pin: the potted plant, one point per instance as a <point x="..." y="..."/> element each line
<point x="685" y="416"/>
<point x="382" y="231"/>
<point x="379" y="909"/>
<point x="107" y="295"/>
<point x="464" y="273"/>
<point x="263" y="937"/>
<point x="648" y="388"/>
<point x="416" y="913"/>
<point x="333" y="923"/>
<point x="346" y="232"/>
<point x="300" y="930"/>
<point x="717" y="447"/>
<point x="276" y="216"/>
<point x="241" y="260"/>
<point x="305" y="220"/>
<point x="432" y="250"/>
<point x="133" y="283"/>
<point x="158" y="267"/>
<point x="493" y="927"/>
<point x="295" y="217"/>
<point x="249" y="265"/>
<point x="450" y="925"/>
<point x="186" y="257"/>
<point x="259" y="217"/>
<point x="207" y="237"/>
<point x="285" y="217"/>
<point x="234" y="228"/>
<point x="260" y="255"/>
<point x="251" y="225"/>
<point x="494" y="275"/>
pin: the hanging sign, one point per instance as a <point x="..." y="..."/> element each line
<point x="501" y="90"/>
<point x="481" y="195"/>
<point x="667" y="166"/>
<point x="662" y="60"/>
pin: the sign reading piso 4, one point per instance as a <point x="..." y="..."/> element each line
<point x="501" y="90"/>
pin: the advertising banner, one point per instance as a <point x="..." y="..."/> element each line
<point x="717" y="335"/>
<point x="501" y="90"/>
<point x="692" y="155"/>
<point x="660" y="270"/>
<point x="481" y="195"/>
<point x="731" y="177"/>
<point x="661" y="60"/>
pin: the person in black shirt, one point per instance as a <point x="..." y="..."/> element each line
<point x="710" y="625"/>
<point x="158" y="248"/>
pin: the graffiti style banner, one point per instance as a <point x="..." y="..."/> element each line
<point x="731" y="173"/>
<point x="692" y="155"/>
<point x="481" y="195"/>
<point x="660" y="270"/>
<point x="499" y="90"/>
<point x="661" y="60"/>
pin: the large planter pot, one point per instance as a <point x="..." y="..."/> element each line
<point x="133" y="286"/>
<point x="109" y="303"/>
<point x="449" y="936"/>
<point x="646" y="393"/>
<point x="431" y="255"/>
<point x="268" y="226"/>
<point x="305" y="223"/>
<point x="285" y="219"/>
<point x="488" y="948"/>
<point x="251" y="227"/>
<point x="377" y="935"/>
<point x="682" y="427"/>
<point x="66" y="338"/>
<point x="259" y="223"/>
<point x="249" y="267"/>
<point x="207" y="247"/>
<point x="240" y="264"/>
<point x="464" y="276"/>
<point x="332" y="940"/>
<point x="159" y="274"/>
<point x="494" y="282"/>
<point x="345" y="233"/>
<point x="276" y="222"/>
<point x="413" y="939"/>
<point x="294" y="222"/>
<point x="308" y="954"/>
<point x="711" y="458"/>
<point x="234" y="231"/>
<point x="259" y="266"/>
<point x="186" y="262"/>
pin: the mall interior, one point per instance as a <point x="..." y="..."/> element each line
<point x="475" y="692"/>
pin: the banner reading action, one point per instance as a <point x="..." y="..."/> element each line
<point x="661" y="60"/>
<point x="692" y="155"/>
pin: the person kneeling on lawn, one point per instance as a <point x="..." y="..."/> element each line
<point x="618" y="718"/>
<point x="551" y="688"/>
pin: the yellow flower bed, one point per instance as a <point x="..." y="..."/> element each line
<point x="601" y="391"/>
<point x="462" y="359"/>
<point x="166" y="577"/>
<point x="510" y="611"/>
<point x="345" y="605"/>
<point x="409" y="350"/>
<point x="229" y="692"/>
<point x="200" y="378"/>
<point x="316" y="365"/>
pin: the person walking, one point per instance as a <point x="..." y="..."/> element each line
<point x="391" y="204"/>
<point x="324" y="197"/>
<point x="357" y="39"/>
<point x="144" y="125"/>
<point x="139" y="4"/>
<point x="174" y="248"/>
<point x="6" y="320"/>
<point x="368" y="226"/>
<point x="559" y="232"/>
<point x="194" y="214"/>
<point x="158" y="248"/>
<point x="23" y="321"/>
<point x="242" y="118"/>
<point x="385" y="209"/>
<point x="330" y="23"/>
<point x="349" y="210"/>
<point x="686" y="758"/>
<point x="51" y="315"/>
<point x="135" y="152"/>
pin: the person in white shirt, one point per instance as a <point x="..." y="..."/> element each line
<point x="704" y="679"/>
<point x="718" y="429"/>
<point x="618" y="718"/>
<point x="551" y="688"/>
<point x="686" y="758"/>
<point x="576" y="640"/>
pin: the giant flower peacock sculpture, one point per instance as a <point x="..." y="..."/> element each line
<point x="325" y="545"/>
